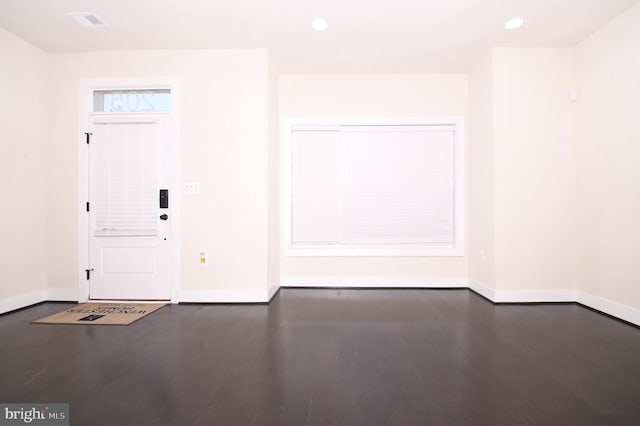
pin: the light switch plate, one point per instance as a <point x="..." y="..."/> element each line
<point x="192" y="187"/>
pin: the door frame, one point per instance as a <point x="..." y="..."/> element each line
<point x="87" y="87"/>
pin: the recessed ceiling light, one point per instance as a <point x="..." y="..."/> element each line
<point x="320" y="24"/>
<point x="88" y="19"/>
<point x="513" y="23"/>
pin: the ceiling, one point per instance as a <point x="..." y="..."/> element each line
<point x="364" y="36"/>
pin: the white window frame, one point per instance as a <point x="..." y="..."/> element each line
<point x="319" y="123"/>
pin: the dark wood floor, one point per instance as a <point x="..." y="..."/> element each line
<point x="332" y="357"/>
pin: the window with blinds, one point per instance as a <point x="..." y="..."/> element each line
<point x="374" y="189"/>
<point x="126" y="179"/>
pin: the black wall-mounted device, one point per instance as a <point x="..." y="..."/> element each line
<point x="164" y="198"/>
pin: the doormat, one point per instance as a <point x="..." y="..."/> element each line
<point x="102" y="314"/>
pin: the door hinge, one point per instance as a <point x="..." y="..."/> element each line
<point x="88" y="206"/>
<point x="88" y="271"/>
<point x="88" y="135"/>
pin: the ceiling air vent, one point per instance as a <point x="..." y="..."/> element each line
<point x="88" y="19"/>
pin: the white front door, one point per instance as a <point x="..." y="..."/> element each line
<point x="129" y="225"/>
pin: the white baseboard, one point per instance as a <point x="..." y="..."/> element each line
<point x="22" y="300"/>
<point x="224" y="296"/>
<point x="610" y="307"/>
<point x="62" y="294"/>
<point x="272" y="291"/>
<point x="616" y="309"/>
<point x="27" y="299"/>
<point x="522" y="296"/>
<point x="534" y="296"/>
<point x="482" y="290"/>
<point x="383" y="282"/>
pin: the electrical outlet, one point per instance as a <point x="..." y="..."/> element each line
<point x="482" y="256"/>
<point x="204" y="259"/>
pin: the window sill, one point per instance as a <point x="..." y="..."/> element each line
<point x="369" y="251"/>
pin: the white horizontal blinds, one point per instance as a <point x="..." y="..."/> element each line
<point x="373" y="185"/>
<point x="397" y="185"/>
<point x="126" y="179"/>
<point x="316" y="186"/>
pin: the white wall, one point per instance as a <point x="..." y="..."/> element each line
<point x="553" y="200"/>
<point x="534" y="172"/>
<point x="609" y="165"/>
<point x="481" y="178"/>
<point x="23" y="137"/>
<point x="371" y="96"/>
<point x="224" y="146"/>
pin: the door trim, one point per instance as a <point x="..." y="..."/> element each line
<point x="85" y="108"/>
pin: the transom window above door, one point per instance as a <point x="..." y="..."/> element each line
<point x="138" y="100"/>
<point x="379" y="187"/>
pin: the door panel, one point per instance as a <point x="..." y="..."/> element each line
<point x="128" y="244"/>
<point x="130" y="260"/>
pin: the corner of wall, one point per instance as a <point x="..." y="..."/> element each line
<point x="481" y="177"/>
<point x="608" y="64"/>
<point x="273" y="179"/>
<point x="24" y="134"/>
